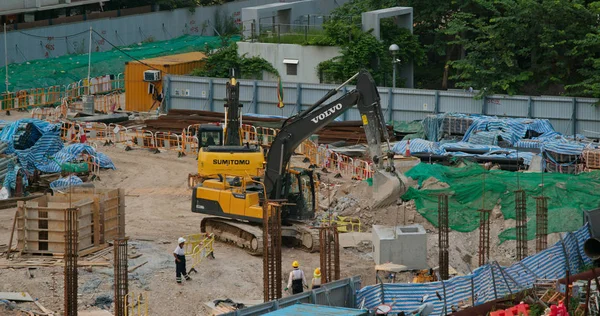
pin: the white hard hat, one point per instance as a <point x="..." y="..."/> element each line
<point x="181" y="239"/>
<point x="425" y="298"/>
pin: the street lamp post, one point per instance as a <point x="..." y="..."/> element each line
<point x="394" y="50"/>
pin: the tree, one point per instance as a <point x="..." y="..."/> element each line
<point x="520" y="46"/>
<point x="219" y="63"/>
<point x="589" y="49"/>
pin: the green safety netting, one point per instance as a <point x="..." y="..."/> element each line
<point x="67" y="69"/>
<point x="568" y="196"/>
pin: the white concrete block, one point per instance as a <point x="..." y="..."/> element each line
<point x="405" y="245"/>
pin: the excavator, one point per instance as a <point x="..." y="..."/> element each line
<point x="220" y="147"/>
<point x="236" y="203"/>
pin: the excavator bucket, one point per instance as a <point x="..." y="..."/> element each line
<point x="388" y="187"/>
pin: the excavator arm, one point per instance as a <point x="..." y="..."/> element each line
<point x="298" y="128"/>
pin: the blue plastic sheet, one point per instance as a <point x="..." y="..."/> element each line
<point x="66" y="182"/>
<point x="72" y="153"/>
<point x="486" y="283"/>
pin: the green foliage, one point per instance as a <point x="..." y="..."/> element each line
<point x="218" y="65"/>
<point x="520" y="46"/>
<point x="362" y="50"/>
<point x="536" y="310"/>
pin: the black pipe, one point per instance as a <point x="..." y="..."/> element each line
<point x="591" y="248"/>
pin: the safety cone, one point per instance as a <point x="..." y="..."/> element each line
<point x="407" y="151"/>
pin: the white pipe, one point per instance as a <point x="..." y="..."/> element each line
<point x="6" y="56"/>
<point x="89" y="62"/>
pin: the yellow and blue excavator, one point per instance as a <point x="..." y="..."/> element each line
<point x="220" y="147"/>
<point x="236" y="201"/>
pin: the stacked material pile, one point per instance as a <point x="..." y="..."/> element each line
<point x="510" y="142"/>
<point x="31" y="145"/>
<point x="178" y="120"/>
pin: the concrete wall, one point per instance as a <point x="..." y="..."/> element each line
<point x="407" y="247"/>
<point x="284" y="13"/>
<point x="308" y="58"/>
<point x="58" y="40"/>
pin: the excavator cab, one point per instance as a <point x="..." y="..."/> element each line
<point x="299" y="190"/>
<point x="209" y="135"/>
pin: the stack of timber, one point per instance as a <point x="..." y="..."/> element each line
<point x="178" y="120"/>
<point x="41" y="221"/>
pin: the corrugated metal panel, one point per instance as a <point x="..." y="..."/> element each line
<point x="562" y="126"/>
<point x="558" y="108"/>
<point x="459" y="102"/>
<point x="408" y="104"/>
<point x="198" y="98"/>
<point x="503" y="106"/>
<point x="587" y="110"/>
<point x="589" y="128"/>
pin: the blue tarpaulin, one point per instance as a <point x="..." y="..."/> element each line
<point x="486" y="283"/>
<point x="65" y="182"/>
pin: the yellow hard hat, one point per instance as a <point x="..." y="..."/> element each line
<point x="317" y="273"/>
<point x="295" y="264"/>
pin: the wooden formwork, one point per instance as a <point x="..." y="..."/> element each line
<point x="41" y="221"/>
<point x="592" y="158"/>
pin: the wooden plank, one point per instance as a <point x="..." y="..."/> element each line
<point x="13" y="202"/>
<point x="45" y="310"/>
<point x="96" y="221"/>
<point x="12" y="232"/>
<point x="121" y="213"/>
<point x="92" y="250"/>
<point x="139" y="265"/>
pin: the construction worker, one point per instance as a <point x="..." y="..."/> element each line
<point x="425" y="309"/>
<point x="179" y="255"/>
<point x="297" y="279"/>
<point x="316" y="281"/>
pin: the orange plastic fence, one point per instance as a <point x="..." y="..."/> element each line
<point x="54" y="95"/>
<point x="187" y="142"/>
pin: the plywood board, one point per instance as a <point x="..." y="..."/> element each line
<point x="16" y="296"/>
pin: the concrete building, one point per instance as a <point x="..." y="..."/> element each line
<point x="13" y="11"/>
<point x="295" y="63"/>
<point x="404" y="18"/>
<point x="405" y="245"/>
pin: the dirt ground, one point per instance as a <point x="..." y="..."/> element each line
<point x="158" y="206"/>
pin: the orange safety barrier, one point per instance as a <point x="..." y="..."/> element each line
<point x="169" y="141"/>
<point x="141" y="138"/>
<point x="189" y="141"/>
<point x="345" y="165"/>
<point x="249" y="134"/>
<point x="93" y="166"/>
<point x="51" y="114"/>
<point x="95" y="131"/>
<point x="69" y="131"/>
<point x="117" y="133"/>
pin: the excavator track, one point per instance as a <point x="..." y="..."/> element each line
<point x="250" y="236"/>
<point x="246" y="236"/>
<point x="307" y="237"/>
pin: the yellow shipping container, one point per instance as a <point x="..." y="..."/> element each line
<point x="142" y="90"/>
